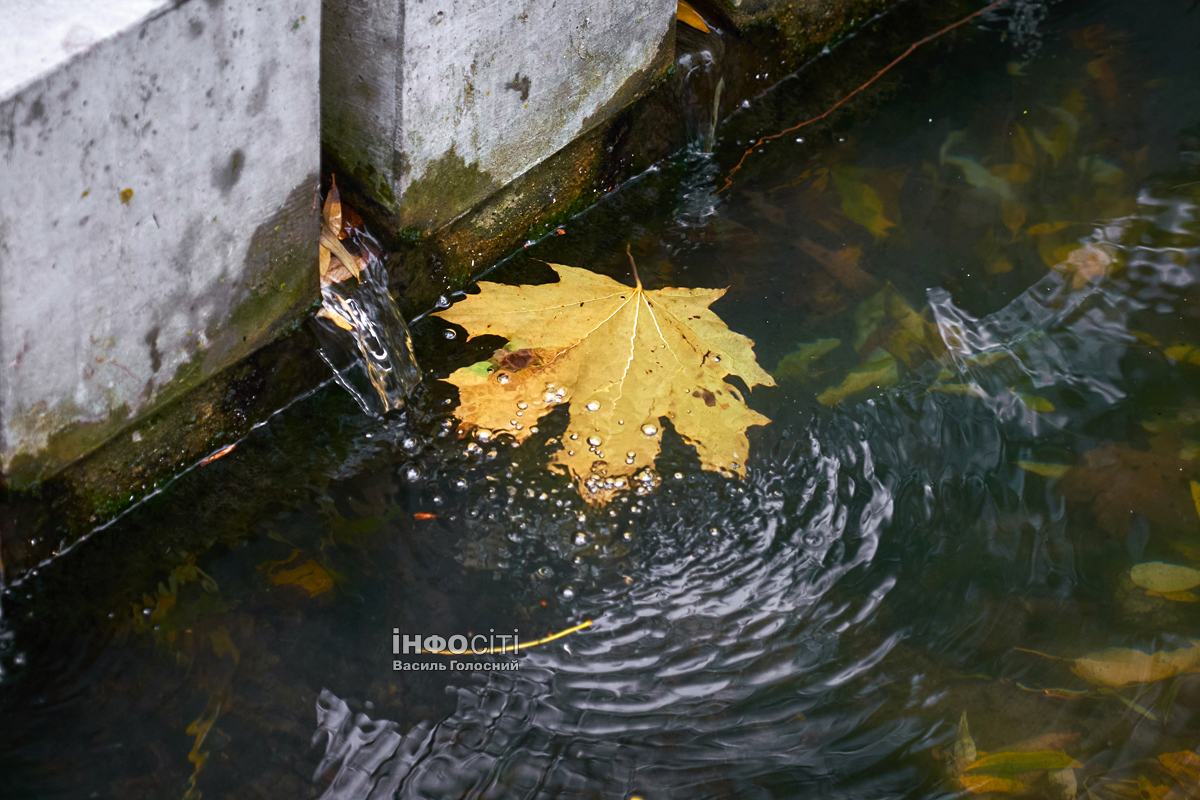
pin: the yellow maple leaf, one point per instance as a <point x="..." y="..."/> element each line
<point x="622" y="358"/>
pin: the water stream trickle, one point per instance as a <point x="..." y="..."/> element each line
<point x="374" y="360"/>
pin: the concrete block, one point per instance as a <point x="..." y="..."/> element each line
<point x="158" y="217"/>
<point x="433" y="105"/>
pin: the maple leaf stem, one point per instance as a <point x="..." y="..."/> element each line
<point x="634" y="266"/>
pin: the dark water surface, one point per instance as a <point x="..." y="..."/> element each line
<point x="1003" y="239"/>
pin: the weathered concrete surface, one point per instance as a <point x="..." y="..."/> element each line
<point x="432" y="107"/>
<point x="159" y="163"/>
<point x="757" y="46"/>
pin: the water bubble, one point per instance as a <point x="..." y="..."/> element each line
<point x="461" y="484"/>
<point x="593" y="406"/>
<point x="628" y="536"/>
<point x="522" y="405"/>
<point x="549" y="397"/>
<point x="678" y="476"/>
<point x="812" y="538"/>
<point x="568" y="593"/>
<point x="473" y="449"/>
<point x="561" y="392"/>
<point x="594" y="441"/>
<point x="716" y="358"/>
<point x="449" y="333"/>
<point x="544" y="572"/>
<point x="580" y="539"/>
<point x="483" y="435"/>
<point x="574" y="436"/>
<point x="438" y="500"/>
<point x="410" y="444"/>
<point x="502" y="378"/>
<point x="649" y="430"/>
<point x="443" y="301"/>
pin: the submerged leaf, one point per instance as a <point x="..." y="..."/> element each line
<point x="1017" y="762"/>
<point x="861" y="203"/>
<point x="1120" y="666"/>
<point x="1159" y="577"/>
<point x="1119" y="480"/>
<point x="1184" y="767"/>
<point x="1045" y="470"/>
<point x="879" y="372"/>
<point x="798" y="365"/>
<point x="962" y="749"/>
<point x="1033" y="402"/>
<point x="622" y="358"/>
<point x="980" y="177"/>
<point x="842" y="266"/>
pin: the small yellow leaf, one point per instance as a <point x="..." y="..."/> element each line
<point x="999" y="265"/>
<point x="1177" y="597"/>
<point x="1045" y="470"/>
<point x="1145" y="338"/>
<point x="1083" y="264"/>
<point x="1033" y="402"/>
<point x="222" y="644"/>
<point x="1013" y="173"/>
<point x="688" y="16"/>
<point x="1120" y="666"/>
<point x="126" y="196"/>
<point x="978" y="176"/>
<point x="1159" y="577"/>
<point x="1017" y="762"/>
<point x="309" y="576"/>
<point x="336" y="318"/>
<point x="861" y="203"/>
<point x="1187" y="353"/>
<point x="1014" y="217"/>
<point x="332" y="211"/>
<point x="1184" y="767"/>
<point x="879" y="372"/>
<point x="968" y="389"/>
<point x="1048" y="227"/>
<point x="797" y="365"/>
<point x="1022" y="147"/>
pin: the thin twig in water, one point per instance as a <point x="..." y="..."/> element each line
<point x="912" y="47"/>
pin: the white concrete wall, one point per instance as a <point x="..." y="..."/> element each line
<point x="158" y="185"/>
<point x="469" y="94"/>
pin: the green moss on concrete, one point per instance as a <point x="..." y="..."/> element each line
<point x="448" y="187"/>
